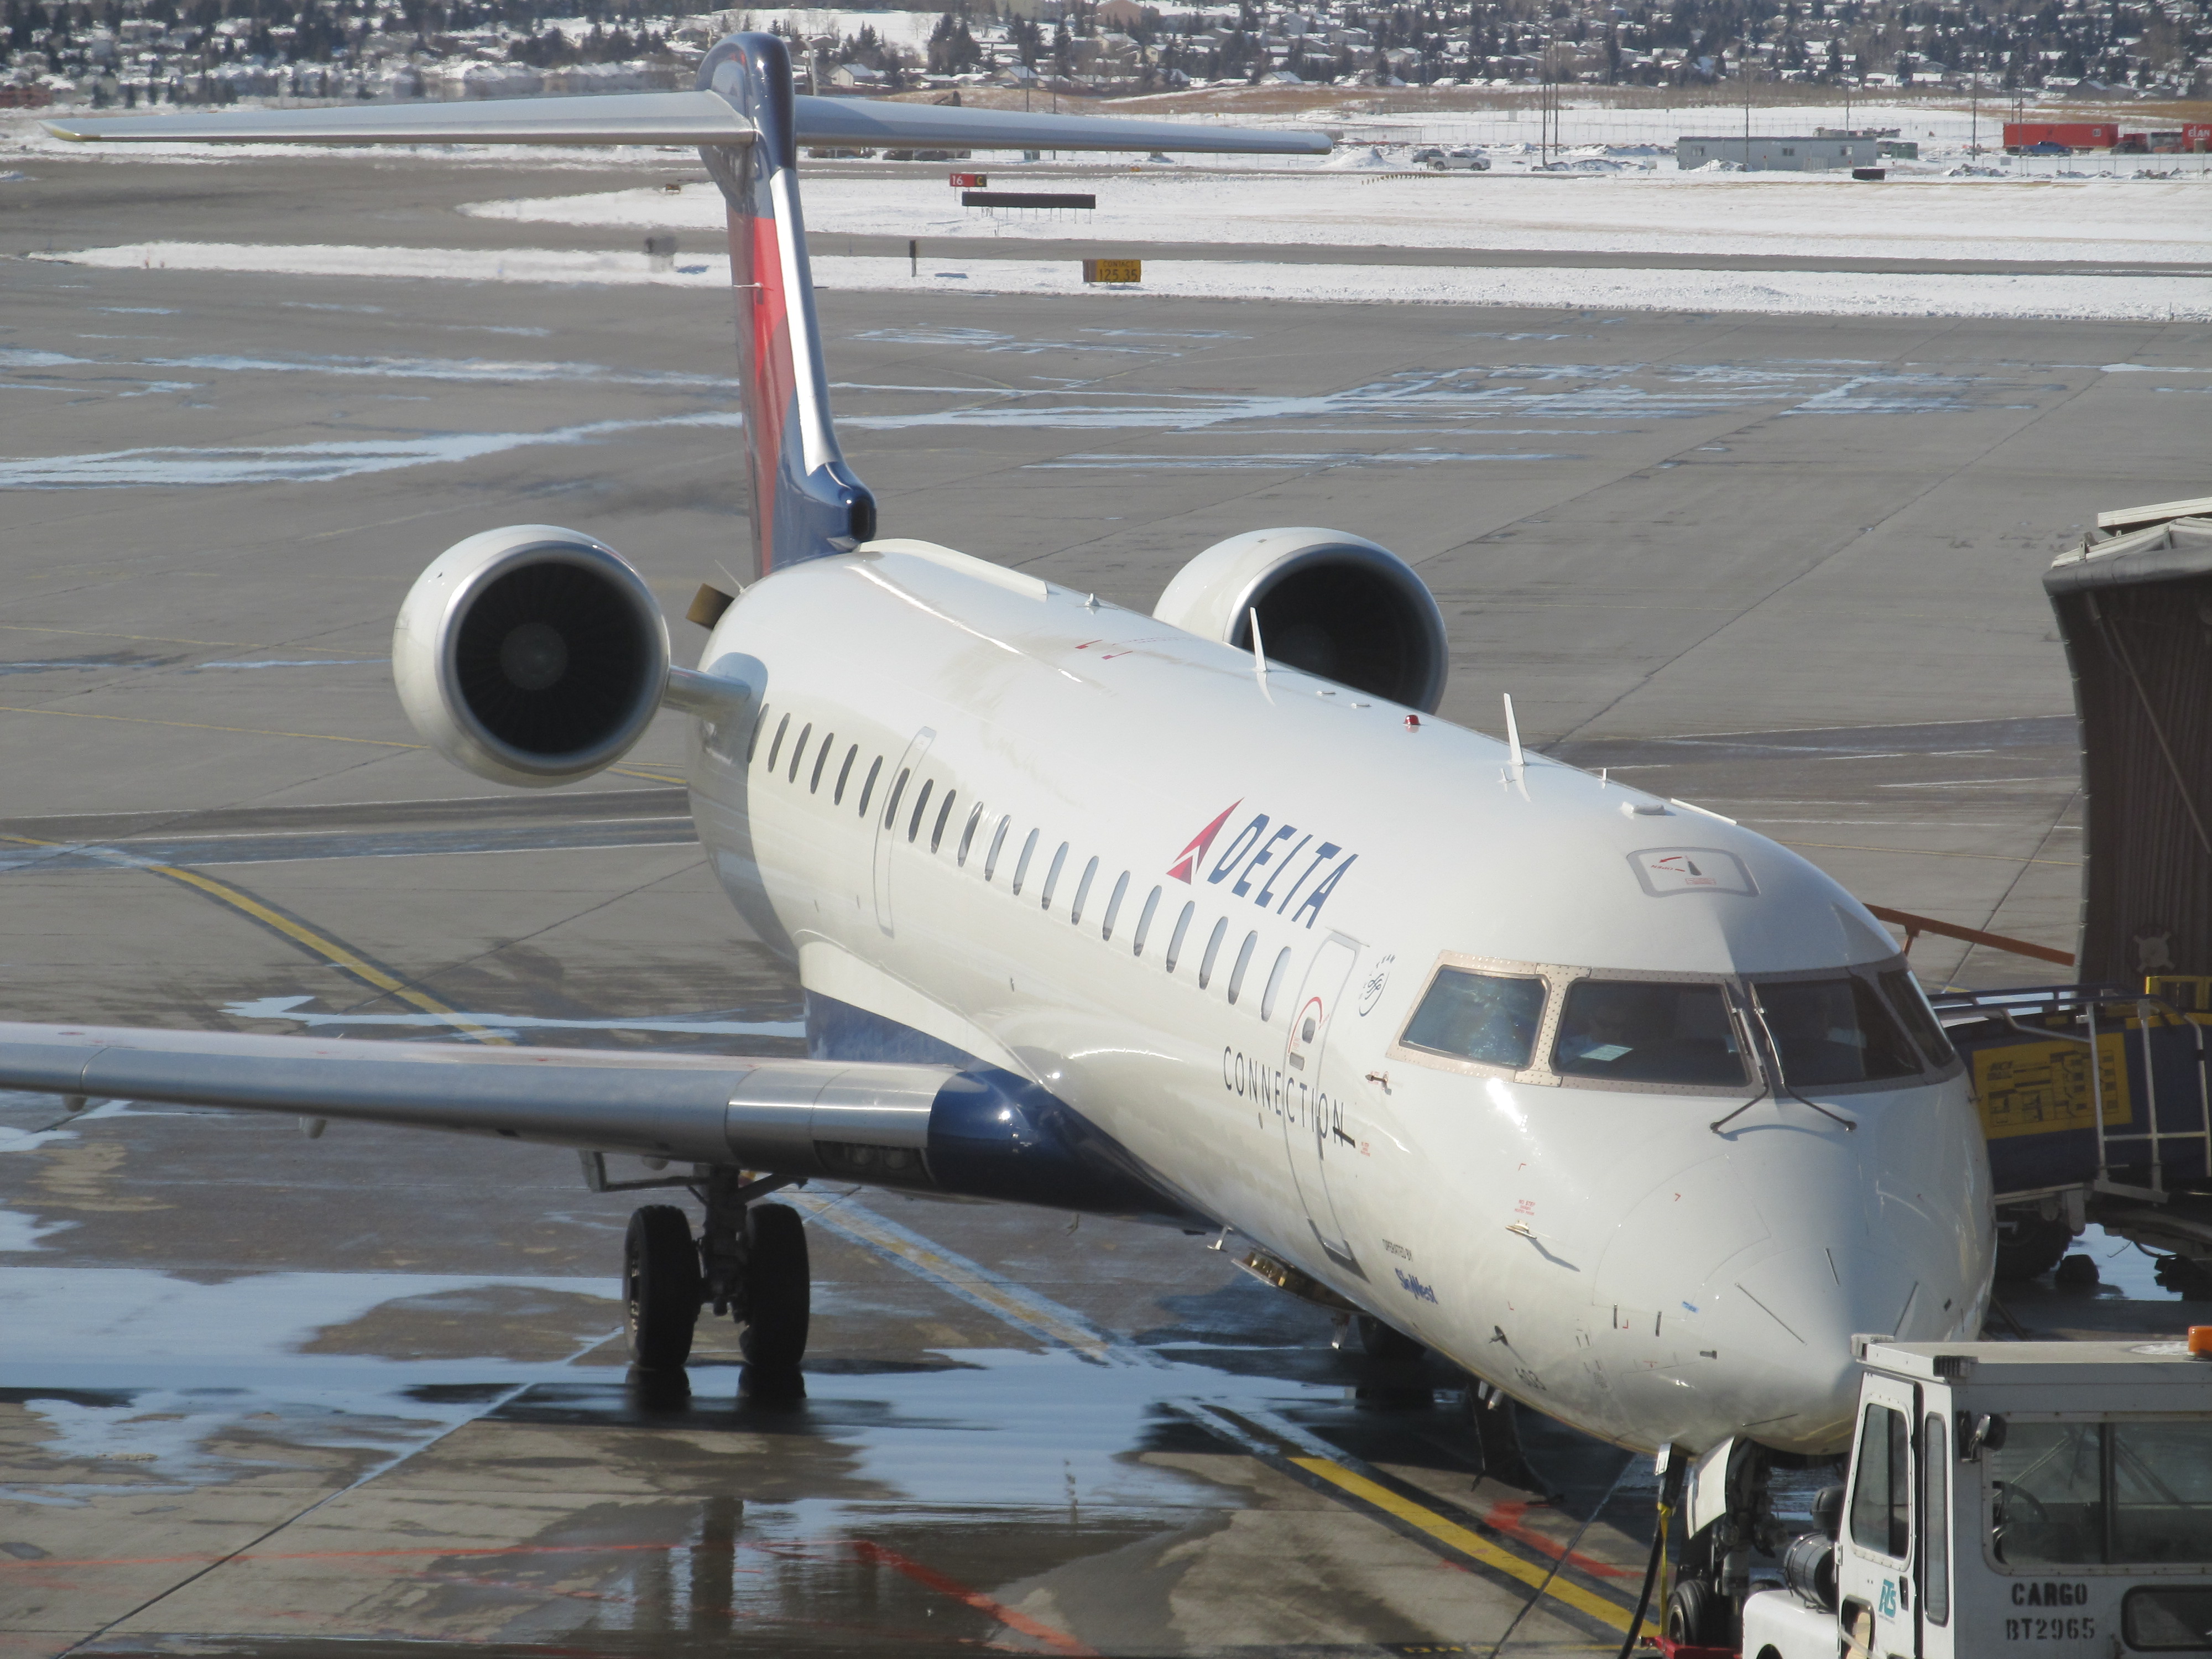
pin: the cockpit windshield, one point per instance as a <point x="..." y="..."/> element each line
<point x="1834" y="1030"/>
<point x="1490" y="1019"/>
<point x="1859" y="1027"/>
<point x="1648" y="1032"/>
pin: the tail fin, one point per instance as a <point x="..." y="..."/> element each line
<point x="806" y="500"/>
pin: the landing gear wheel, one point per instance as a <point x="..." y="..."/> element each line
<point x="1696" y="1618"/>
<point x="1380" y="1342"/>
<point x="2029" y="1247"/>
<point x="661" y="1288"/>
<point x="778" y="1294"/>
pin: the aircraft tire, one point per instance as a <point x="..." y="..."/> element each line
<point x="2029" y="1247"/>
<point x="779" y="1291"/>
<point x="1696" y="1618"/>
<point x="661" y="1288"/>
<point x="1380" y="1342"/>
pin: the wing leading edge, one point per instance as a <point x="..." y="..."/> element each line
<point x="976" y="1132"/>
<point x="763" y="1114"/>
<point x="698" y="117"/>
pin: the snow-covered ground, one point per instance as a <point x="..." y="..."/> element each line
<point x="1800" y="215"/>
<point x="1832" y="294"/>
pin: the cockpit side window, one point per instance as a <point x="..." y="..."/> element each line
<point x="1835" y="1031"/>
<point x="1648" y="1032"/>
<point x="1490" y="1019"/>
<point x="1911" y="1004"/>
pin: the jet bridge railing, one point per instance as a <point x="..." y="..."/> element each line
<point x="2090" y="1086"/>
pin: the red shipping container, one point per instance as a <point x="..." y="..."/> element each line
<point x="2075" y="135"/>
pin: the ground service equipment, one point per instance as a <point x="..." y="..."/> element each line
<point x="2051" y="1499"/>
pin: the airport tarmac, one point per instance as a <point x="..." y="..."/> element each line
<point x="265" y="1395"/>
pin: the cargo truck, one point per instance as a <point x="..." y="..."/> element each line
<point x="2036" y="1500"/>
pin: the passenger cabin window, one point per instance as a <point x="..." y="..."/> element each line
<point x="759" y="727"/>
<point x="1022" y="864"/>
<point x="944" y="814"/>
<point x="1274" y="983"/>
<point x="781" y="726"/>
<point x="1083" y="891"/>
<point x="1489" y="1018"/>
<point x="1145" y="923"/>
<point x="844" y="772"/>
<point x="1648" y="1032"/>
<point x="920" y="806"/>
<point x="868" y="788"/>
<point x="998" y="841"/>
<point x="821" y="758"/>
<point x="1834" y="1030"/>
<point x="1912" y="1005"/>
<point x="898" y="794"/>
<point x="1174" y="939"/>
<point x="1881" y="1492"/>
<point x="1243" y="960"/>
<point x="1212" y="950"/>
<point x="798" y="752"/>
<point x="1051" y="876"/>
<point x="1114" y="905"/>
<point x="967" y="836"/>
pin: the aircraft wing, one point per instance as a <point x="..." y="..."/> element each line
<point x="763" y="1114"/>
<point x="621" y="118"/>
<point x="681" y="118"/>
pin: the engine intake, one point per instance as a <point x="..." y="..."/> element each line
<point x="1336" y="605"/>
<point x="530" y="655"/>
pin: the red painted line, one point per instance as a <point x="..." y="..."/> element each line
<point x="929" y="1578"/>
<point x="1506" y="1518"/>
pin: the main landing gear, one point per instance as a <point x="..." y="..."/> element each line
<point x="749" y="1261"/>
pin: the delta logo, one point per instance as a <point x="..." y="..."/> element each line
<point x="1265" y="863"/>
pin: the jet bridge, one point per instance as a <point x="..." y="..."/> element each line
<point x="2095" y="1097"/>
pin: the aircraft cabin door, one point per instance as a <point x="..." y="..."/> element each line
<point x="1313" y="1109"/>
<point x="1876" y="1578"/>
<point x="898" y="797"/>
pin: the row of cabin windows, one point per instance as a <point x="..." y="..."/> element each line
<point x="1208" y="962"/>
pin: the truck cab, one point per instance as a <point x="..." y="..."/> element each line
<point x="2050" y="1500"/>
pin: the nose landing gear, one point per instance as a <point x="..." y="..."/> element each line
<point x="750" y="1262"/>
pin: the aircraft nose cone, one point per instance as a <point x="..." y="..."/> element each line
<point x="1752" y="1270"/>
<point x="1797" y="1310"/>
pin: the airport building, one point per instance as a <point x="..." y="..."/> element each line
<point x="1758" y="154"/>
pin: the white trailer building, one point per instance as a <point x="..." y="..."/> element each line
<point x="1760" y="155"/>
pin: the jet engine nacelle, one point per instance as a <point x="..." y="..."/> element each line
<point x="1336" y="605"/>
<point x="530" y="655"/>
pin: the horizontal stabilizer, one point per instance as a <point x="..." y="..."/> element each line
<point x="866" y="123"/>
<point x="680" y="118"/>
<point x="622" y="118"/>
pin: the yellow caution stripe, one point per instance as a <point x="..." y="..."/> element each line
<point x="1463" y="1542"/>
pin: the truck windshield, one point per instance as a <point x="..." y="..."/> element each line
<point x="2089" y="1494"/>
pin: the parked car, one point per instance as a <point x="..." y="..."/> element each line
<point x="1451" y="161"/>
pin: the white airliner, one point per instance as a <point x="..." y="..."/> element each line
<point x="1201" y="916"/>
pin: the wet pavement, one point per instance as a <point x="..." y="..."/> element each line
<point x="263" y="1394"/>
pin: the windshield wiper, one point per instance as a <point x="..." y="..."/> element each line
<point x="1773" y="1080"/>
